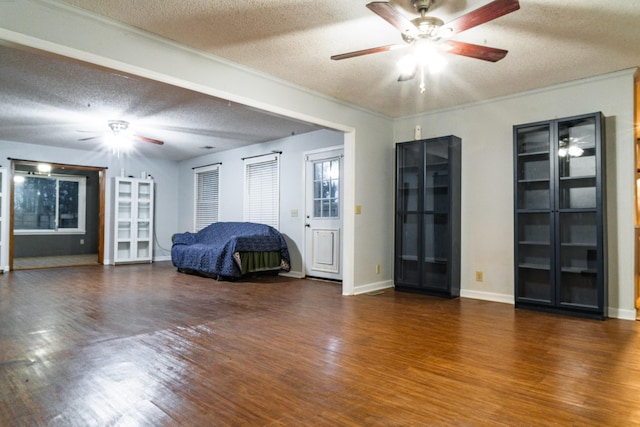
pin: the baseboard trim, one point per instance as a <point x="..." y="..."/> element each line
<point x="371" y="287"/>
<point x="622" y="314"/>
<point x="487" y="296"/>
<point x="293" y="274"/>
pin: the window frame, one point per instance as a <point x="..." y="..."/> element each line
<point x="82" y="205"/>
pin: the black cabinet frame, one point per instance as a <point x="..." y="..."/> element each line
<point x="427" y="216"/>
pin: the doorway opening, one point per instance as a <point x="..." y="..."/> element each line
<point x="56" y="215"/>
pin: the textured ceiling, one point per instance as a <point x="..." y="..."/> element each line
<point x="549" y="42"/>
<point x="53" y="101"/>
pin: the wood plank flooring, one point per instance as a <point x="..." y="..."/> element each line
<point x="27" y="263"/>
<point x="144" y="345"/>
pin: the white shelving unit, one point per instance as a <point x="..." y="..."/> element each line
<point x="133" y="224"/>
<point x="4" y="220"/>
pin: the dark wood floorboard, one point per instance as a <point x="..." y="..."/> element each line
<point x="144" y="345"/>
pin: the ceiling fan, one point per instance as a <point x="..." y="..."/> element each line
<point x="120" y="128"/>
<point x="430" y="31"/>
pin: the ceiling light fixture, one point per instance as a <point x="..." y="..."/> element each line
<point x="44" y="168"/>
<point x="424" y="55"/>
<point x="119" y="139"/>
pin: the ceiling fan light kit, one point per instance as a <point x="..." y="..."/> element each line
<point x="428" y="34"/>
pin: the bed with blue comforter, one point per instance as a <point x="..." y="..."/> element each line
<point x="227" y="250"/>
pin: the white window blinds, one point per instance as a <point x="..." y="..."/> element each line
<point x="262" y="190"/>
<point x="206" y="197"/>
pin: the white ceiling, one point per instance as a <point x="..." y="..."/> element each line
<point x="549" y="42"/>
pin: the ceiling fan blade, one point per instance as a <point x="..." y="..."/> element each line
<point x="89" y="138"/>
<point x="390" y="14"/>
<point x="151" y="140"/>
<point x="367" y="51"/>
<point x="474" y="51"/>
<point x="486" y="13"/>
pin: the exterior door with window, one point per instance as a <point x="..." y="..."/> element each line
<point x="323" y="214"/>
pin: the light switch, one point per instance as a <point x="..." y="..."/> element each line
<point x="358" y="209"/>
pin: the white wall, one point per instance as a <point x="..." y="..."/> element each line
<point x="487" y="178"/>
<point x="232" y="184"/>
<point x="165" y="174"/>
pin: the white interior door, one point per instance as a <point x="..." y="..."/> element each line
<point x="323" y="214"/>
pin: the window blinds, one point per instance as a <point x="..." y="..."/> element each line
<point x="262" y="190"/>
<point x="206" y="197"/>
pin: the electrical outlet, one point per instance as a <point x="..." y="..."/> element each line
<point x="82" y="241"/>
<point x="478" y="276"/>
<point x="377" y="268"/>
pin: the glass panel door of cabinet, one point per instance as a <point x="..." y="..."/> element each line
<point x="577" y="163"/>
<point x="144" y="191"/>
<point x="533" y="167"/>
<point x="578" y="259"/>
<point x="407" y="235"/>
<point x="435" y="250"/>
<point x="408" y="178"/>
<point x="125" y="189"/>
<point x="436" y="189"/>
<point x="144" y="210"/>
<point x="534" y="256"/>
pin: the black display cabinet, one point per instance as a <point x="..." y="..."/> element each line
<point x="560" y="247"/>
<point x="427" y="216"/>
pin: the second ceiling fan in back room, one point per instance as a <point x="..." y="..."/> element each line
<point x="120" y="137"/>
<point x="428" y="34"/>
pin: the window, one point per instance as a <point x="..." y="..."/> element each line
<point x="262" y="190"/>
<point x="206" y="197"/>
<point x="49" y="204"/>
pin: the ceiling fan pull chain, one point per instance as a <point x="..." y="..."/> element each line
<point x="422" y="85"/>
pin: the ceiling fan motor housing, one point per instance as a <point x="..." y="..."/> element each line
<point x="118" y="125"/>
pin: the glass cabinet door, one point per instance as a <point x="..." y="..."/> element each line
<point x="408" y="202"/>
<point x="534" y="213"/>
<point x="577" y="203"/>
<point x="435" y="219"/>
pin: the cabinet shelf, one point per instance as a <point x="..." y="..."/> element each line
<point x="533" y="243"/>
<point x="533" y="154"/>
<point x="534" y="266"/>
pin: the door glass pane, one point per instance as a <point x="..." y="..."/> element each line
<point x="326" y="188"/>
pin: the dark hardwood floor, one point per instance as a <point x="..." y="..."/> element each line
<point x="146" y="345"/>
